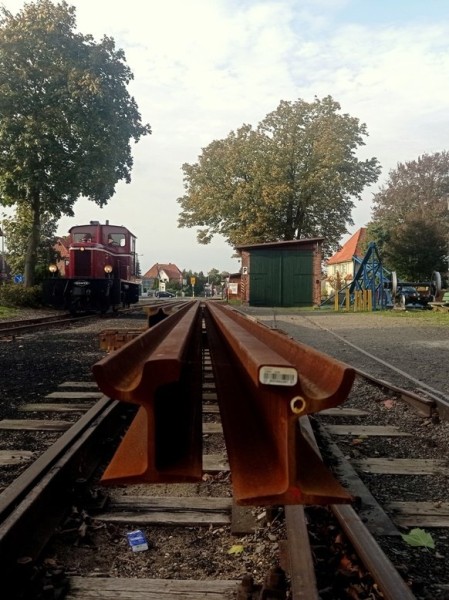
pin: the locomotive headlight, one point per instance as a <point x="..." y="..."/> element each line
<point x="108" y="269"/>
<point x="52" y="268"/>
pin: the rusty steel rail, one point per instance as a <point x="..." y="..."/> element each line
<point x="32" y="506"/>
<point x="384" y="573"/>
<point x="160" y="370"/>
<point x="158" y="312"/>
<point x="265" y="381"/>
<point x="113" y="339"/>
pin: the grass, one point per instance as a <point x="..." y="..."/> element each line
<point x="6" y="312"/>
<point x="429" y="317"/>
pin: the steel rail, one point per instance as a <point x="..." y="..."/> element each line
<point x="35" y="503"/>
<point x="159" y="311"/>
<point x="30" y="321"/>
<point x="12" y="328"/>
<point x="113" y="339"/>
<point x="391" y="584"/>
<point x="25" y="325"/>
<point x="259" y="409"/>
<point x="160" y="370"/>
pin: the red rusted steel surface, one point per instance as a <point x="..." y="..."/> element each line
<point x="112" y="339"/>
<point x="160" y="370"/>
<point x="265" y="381"/>
<point x="159" y="312"/>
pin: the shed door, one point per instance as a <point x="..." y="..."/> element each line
<point x="281" y="278"/>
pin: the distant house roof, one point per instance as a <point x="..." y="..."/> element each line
<point x="353" y="247"/>
<point x="282" y="244"/>
<point x="62" y="246"/>
<point x="170" y="270"/>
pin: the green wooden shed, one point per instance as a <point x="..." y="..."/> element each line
<point x="281" y="273"/>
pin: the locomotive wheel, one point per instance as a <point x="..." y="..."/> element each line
<point x="74" y="308"/>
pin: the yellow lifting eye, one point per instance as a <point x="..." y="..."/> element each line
<point x="297" y="405"/>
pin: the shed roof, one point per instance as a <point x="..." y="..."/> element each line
<point x="283" y="244"/>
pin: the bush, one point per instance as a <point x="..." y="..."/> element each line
<point x="16" y="295"/>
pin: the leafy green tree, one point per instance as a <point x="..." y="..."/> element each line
<point x="416" y="250"/>
<point x="66" y="116"/>
<point x="17" y="231"/>
<point x="410" y="222"/>
<point x="214" y="277"/>
<point x="294" y="176"/>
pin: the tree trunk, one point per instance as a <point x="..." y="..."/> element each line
<point x="33" y="239"/>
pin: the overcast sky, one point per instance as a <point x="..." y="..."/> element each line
<point x="202" y="68"/>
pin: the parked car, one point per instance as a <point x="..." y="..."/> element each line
<point x="162" y="294"/>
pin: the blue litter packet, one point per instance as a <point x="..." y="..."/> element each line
<point x="137" y="540"/>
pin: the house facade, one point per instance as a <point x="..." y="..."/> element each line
<point x="161" y="273"/>
<point x="62" y="249"/>
<point x="340" y="266"/>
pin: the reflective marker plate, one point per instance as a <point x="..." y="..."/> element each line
<point x="278" y="376"/>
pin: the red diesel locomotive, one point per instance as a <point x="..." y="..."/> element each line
<point x="99" y="273"/>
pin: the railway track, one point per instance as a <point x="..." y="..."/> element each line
<point x="156" y="310"/>
<point x="257" y="537"/>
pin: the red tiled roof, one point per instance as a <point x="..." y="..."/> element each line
<point x="62" y="246"/>
<point x="350" y="249"/>
<point x="171" y="271"/>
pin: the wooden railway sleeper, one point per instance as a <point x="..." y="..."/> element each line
<point x="265" y="381"/>
<point x="160" y="370"/>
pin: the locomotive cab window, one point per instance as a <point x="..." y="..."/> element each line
<point x="83" y="237"/>
<point x="116" y="239"/>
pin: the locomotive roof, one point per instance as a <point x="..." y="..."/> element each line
<point x="105" y="225"/>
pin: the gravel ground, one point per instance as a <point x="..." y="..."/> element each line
<point x="406" y="341"/>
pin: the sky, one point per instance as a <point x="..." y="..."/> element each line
<point x="203" y="68"/>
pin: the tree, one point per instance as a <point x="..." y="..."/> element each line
<point x="17" y="231"/>
<point x="66" y="116"/>
<point x="410" y="221"/>
<point x="214" y="277"/>
<point x="294" y="176"/>
<point x="416" y="250"/>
